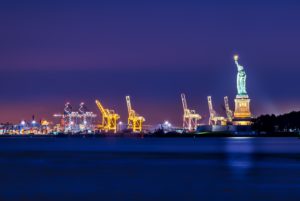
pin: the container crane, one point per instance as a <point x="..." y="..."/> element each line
<point x="87" y="118"/>
<point x="135" y="121"/>
<point x="229" y="112"/>
<point x="109" y="118"/>
<point x="69" y="119"/>
<point x="214" y="119"/>
<point x="190" y="117"/>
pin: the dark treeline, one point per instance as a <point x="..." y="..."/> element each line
<point x="282" y="123"/>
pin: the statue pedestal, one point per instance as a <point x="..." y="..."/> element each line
<point x="242" y="114"/>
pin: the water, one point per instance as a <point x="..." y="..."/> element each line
<point x="150" y="169"/>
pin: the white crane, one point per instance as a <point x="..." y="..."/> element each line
<point x="229" y="112"/>
<point x="190" y="117"/>
<point x="214" y="119"/>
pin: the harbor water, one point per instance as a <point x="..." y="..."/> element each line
<point x="115" y="168"/>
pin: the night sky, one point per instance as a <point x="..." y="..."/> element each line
<point x="57" y="51"/>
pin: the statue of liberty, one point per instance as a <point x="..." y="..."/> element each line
<point x="241" y="78"/>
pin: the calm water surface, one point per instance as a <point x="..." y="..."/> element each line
<point x="150" y="169"/>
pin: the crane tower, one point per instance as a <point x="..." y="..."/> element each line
<point x="214" y="119"/>
<point x="135" y="121"/>
<point x="229" y="112"/>
<point x="190" y="117"/>
<point x="109" y="118"/>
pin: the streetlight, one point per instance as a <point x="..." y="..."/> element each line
<point x="120" y="124"/>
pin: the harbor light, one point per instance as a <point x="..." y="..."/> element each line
<point x="167" y="124"/>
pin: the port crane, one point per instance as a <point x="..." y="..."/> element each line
<point x="69" y="118"/>
<point x="109" y="118"/>
<point x="87" y="117"/>
<point x="214" y="118"/>
<point x="229" y="112"/>
<point x="135" y="121"/>
<point x="190" y="117"/>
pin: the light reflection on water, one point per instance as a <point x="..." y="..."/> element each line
<point x="239" y="152"/>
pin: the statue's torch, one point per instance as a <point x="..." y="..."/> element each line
<point x="236" y="57"/>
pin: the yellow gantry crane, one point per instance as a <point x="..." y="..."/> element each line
<point x="190" y="117"/>
<point x="214" y="118"/>
<point x="135" y="121"/>
<point x="229" y="112"/>
<point x="109" y="119"/>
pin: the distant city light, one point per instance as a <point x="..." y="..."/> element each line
<point x="167" y="124"/>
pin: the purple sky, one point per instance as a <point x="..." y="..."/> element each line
<point x="57" y="51"/>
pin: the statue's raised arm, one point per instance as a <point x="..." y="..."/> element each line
<point x="236" y="60"/>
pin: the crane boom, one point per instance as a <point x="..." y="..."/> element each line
<point x="129" y="108"/>
<point x="210" y="106"/>
<point x="109" y="118"/>
<point x="184" y="103"/>
<point x="101" y="108"/>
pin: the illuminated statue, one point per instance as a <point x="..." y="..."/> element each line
<point x="242" y="114"/>
<point x="241" y="77"/>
